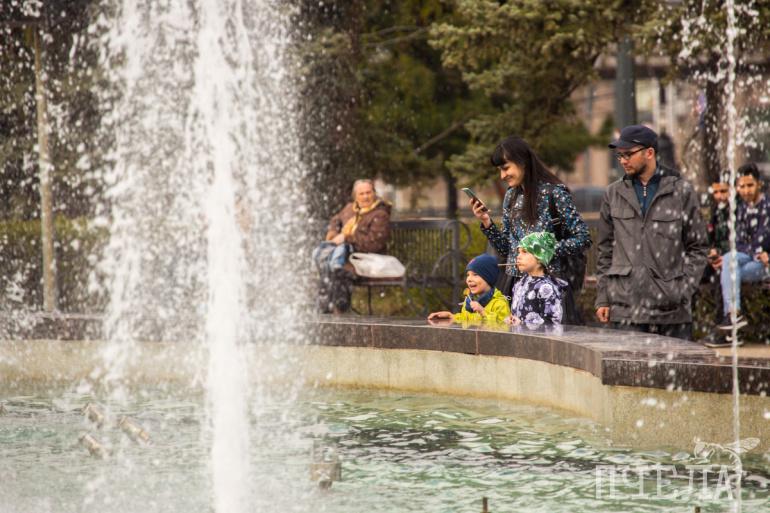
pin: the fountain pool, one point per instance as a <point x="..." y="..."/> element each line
<point x="400" y="452"/>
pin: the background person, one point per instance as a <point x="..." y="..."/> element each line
<point x="752" y="240"/>
<point x="532" y="188"/>
<point x="718" y="229"/>
<point x="362" y="225"/>
<point x="652" y="243"/>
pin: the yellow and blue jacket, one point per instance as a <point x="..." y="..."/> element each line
<point x="496" y="310"/>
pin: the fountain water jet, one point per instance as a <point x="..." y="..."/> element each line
<point x="204" y="218"/>
<point x="731" y="134"/>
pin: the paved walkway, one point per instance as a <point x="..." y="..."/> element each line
<point x="754" y="351"/>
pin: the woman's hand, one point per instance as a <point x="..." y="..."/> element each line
<point x="481" y="212"/>
<point x="764" y="258"/>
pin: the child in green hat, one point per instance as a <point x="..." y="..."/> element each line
<point x="537" y="296"/>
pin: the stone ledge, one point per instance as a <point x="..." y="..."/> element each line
<point x="615" y="357"/>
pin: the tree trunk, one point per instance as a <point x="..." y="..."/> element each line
<point x="46" y="194"/>
<point x="712" y="128"/>
<point x="451" y="195"/>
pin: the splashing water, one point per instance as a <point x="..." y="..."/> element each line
<point x="731" y="134"/>
<point x="203" y="206"/>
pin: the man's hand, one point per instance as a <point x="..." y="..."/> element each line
<point x="603" y="314"/>
<point x="338" y="239"/>
<point x="481" y="212"/>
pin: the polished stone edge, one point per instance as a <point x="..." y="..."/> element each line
<point x="615" y="357"/>
<point x="686" y="376"/>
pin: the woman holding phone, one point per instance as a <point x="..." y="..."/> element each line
<point x="536" y="201"/>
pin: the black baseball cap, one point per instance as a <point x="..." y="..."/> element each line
<point x="636" y="135"/>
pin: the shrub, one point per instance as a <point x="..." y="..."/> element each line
<point x="76" y="248"/>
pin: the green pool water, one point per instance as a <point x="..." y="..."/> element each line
<point x="399" y="452"/>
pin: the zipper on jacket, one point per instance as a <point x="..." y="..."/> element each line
<point x="649" y="207"/>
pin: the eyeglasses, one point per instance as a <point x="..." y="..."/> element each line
<point x="626" y="156"/>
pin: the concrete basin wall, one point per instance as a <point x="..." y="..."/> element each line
<point x="649" y="391"/>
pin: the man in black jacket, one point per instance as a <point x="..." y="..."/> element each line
<point x="652" y="243"/>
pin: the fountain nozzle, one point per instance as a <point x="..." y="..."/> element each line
<point x="94" y="414"/>
<point x="95" y="448"/>
<point x="326" y="466"/>
<point x="134" y="431"/>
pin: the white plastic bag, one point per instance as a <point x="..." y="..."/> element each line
<point x="373" y="265"/>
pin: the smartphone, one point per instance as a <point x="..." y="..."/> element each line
<point x="473" y="196"/>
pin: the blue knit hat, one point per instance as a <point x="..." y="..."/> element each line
<point x="485" y="266"/>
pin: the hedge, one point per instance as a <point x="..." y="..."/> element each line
<point x="76" y="247"/>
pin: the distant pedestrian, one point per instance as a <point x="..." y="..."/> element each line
<point x="652" y="243"/>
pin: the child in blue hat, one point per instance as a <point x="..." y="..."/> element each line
<point x="483" y="302"/>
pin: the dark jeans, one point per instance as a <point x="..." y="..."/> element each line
<point x="335" y="289"/>
<point x="682" y="330"/>
<point x="335" y="286"/>
<point x="711" y="278"/>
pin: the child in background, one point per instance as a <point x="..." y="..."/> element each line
<point x="483" y="302"/>
<point x="537" y="296"/>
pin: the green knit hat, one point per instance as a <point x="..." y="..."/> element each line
<point x="540" y="244"/>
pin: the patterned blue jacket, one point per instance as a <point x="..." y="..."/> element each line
<point x="506" y="241"/>
<point x="752" y="234"/>
<point x="537" y="300"/>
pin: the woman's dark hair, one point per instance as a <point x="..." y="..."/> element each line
<point x="515" y="149"/>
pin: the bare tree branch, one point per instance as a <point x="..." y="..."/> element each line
<point x="443" y="135"/>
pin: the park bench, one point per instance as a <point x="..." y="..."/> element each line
<point x="432" y="253"/>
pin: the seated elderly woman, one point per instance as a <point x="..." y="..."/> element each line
<point x="363" y="225"/>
